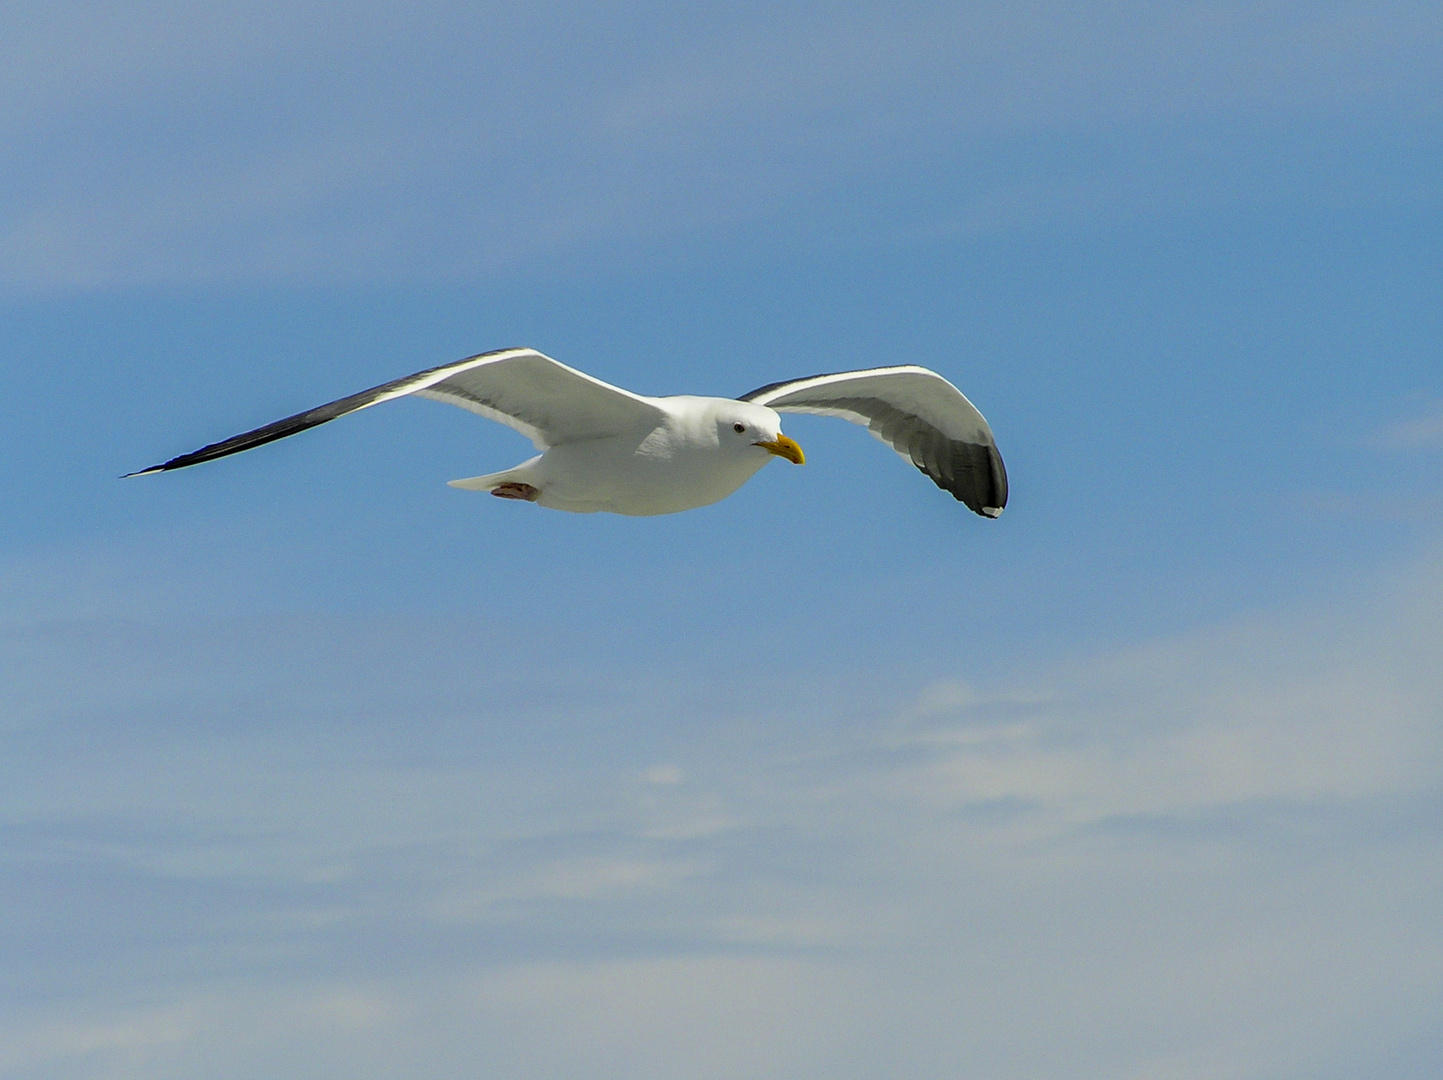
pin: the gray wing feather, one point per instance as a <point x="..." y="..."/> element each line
<point x="915" y="411"/>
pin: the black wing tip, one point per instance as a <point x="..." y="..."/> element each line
<point x="985" y="494"/>
<point x="968" y="499"/>
<point x="174" y="463"/>
<point x="991" y="513"/>
<point x="321" y="414"/>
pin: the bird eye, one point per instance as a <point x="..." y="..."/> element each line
<point x="739" y="428"/>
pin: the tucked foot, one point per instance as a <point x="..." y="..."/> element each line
<point x="516" y="491"/>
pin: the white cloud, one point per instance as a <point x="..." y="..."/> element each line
<point x="1417" y="433"/>
<point x="168" y="142"/>
<point x="664" y="775"/>
<point x="1042" y="63"/>
<point x="1211" y="855"/>
<point x="585" y="878"/>
<point x="1345" y="731"/>
<point x="139" y="1034"/>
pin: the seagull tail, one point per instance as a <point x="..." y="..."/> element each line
<point x="521" y="474"/>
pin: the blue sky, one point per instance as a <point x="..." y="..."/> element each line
<point x="313" y="766"/>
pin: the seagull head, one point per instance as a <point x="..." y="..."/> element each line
<point x="744" y="425"/>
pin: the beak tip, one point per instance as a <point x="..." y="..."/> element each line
<point x="784" y="447"/>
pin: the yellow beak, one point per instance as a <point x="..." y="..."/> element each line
<point x="784" y="447"/>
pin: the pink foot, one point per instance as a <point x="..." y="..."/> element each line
<point x="516" y="491"/>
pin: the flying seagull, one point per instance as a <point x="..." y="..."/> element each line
<point x="604" y="448"/>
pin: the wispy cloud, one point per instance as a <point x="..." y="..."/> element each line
<point x="164" y="142"/>
<point x="1184" y="838"/>
<point x="1417" y="433"/>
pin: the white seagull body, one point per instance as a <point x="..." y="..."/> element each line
<point x="604" y="448"/>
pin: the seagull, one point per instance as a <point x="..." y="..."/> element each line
<point x="606" y="449"/>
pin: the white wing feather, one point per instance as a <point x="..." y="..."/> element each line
<point x="918" y="413"/>
<point x="546" y="401"/>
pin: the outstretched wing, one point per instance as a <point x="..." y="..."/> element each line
<point x="917" y="413"/>
<point x="547" y="402"/>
